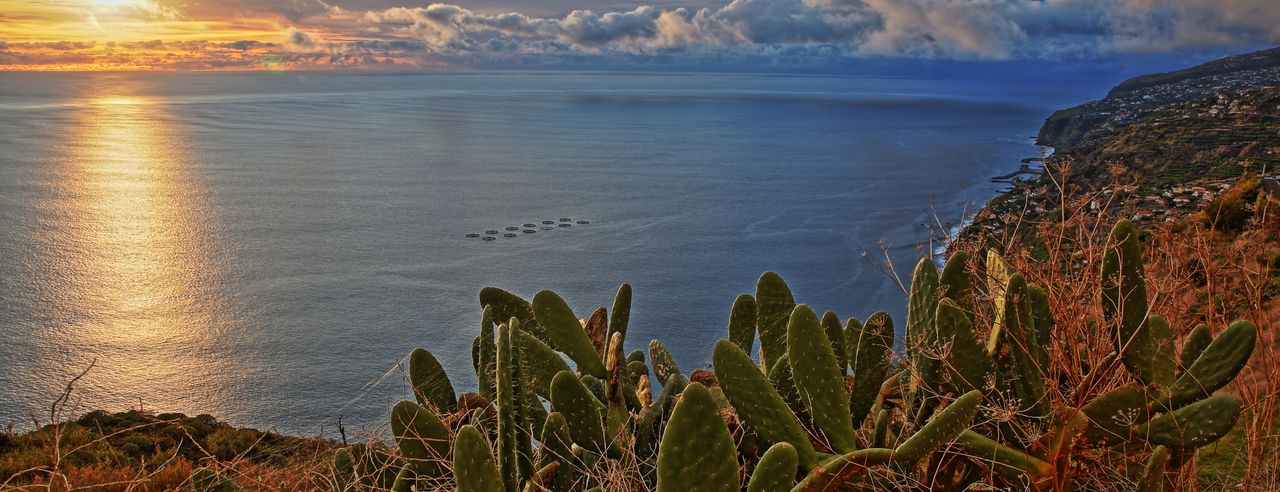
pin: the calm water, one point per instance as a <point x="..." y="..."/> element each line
<point x="261" y="247"/>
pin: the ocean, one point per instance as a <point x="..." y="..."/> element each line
<point x="266" y="247"/>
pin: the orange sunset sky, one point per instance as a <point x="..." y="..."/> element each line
<point x="380" y="34"/>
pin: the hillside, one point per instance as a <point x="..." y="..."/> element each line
<point x="1134" y="99"/>
<point x="1160" y="149"/>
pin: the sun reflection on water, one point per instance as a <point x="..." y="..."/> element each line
<point x="139" y="257"/>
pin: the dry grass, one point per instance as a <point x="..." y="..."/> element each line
<point x="1194" y="275"/>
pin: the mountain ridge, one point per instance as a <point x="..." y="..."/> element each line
<point x="1132" y="100"/>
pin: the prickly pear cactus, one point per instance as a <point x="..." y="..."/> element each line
<point x="956" y="283"/>
<point x="1124" y="301"/>
<point x="819" y="378"/>
<point x="1194" y="425"/>
<point x="870" y="352"/>
<point x="776" y="471"/>
<point x="507" y="408"/>
<point x="742" y="322"/>
<point x="1197" y="340"/>
<point x="835" y="472"/>
<point x="812" y="393"/>
<point x="664" y="366"/>
<point x="620" y="315"/>
<point x="538" y="363"/>
<point x="421" y="436"/>
<point x="505" y="305"/>
<point x="774" y="304"/>
<point x="566" y="332"/>
<point x="485" y="356"/>
<point x="1217" y="365"/>
<point x="430" y="383"/>
<point x="571" y="398"/>
<point x="997" y="278"/>
<point x="473" y="466"/>
<point x="697" y="452"/>
<point x="968" y="366"/>
<point x="1030" y="368"/>
<point x="758" y="403"/>
<point x="557" y="447"/>
<point x="941" y="429"/>
<point x="835" y="336"/>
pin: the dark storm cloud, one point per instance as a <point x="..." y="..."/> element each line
<point x="962" y="29"/>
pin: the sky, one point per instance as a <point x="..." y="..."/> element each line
<point x="738" y="34"/>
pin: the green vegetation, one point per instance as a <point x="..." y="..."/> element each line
<point x="991" y="391"/>
<point x="818" y="415"/>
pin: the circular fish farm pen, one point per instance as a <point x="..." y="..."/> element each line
<point x="527" y="228"/>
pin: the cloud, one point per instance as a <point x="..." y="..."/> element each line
<point x="299" y="41"/>
<point x="378" y="32"/>
<point x="50" y="45"/>
<point x="952" y="29"/>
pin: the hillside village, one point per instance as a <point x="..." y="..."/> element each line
<point x="1169" y="166"/>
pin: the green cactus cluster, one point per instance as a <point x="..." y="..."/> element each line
<point x="1169" y="410"/>
<point x="560" y="405"/>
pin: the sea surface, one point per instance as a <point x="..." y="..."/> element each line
<point x="266" y="247"/>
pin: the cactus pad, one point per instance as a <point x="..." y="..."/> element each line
<point x="773" y="306"/>
<point x="473" y="466"/>
<point x="742" y="322"/>
<point x="1217" y="365"/>
<point x="1194" y="425"/>
<point x="818" y="378"/>
<point x="422" y="438"/>
<point x="581" y="409"/>
<point x="564" y="329"/>
<point x="776" y="471"/>
<point x="430" y="383"/>
<point x="697" y="452"/>
<point x="942" y="428"/>
<point x="870" y="351"/>
<point x="758" y="403"/>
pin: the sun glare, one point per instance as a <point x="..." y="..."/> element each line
<point x="111" y="4"/>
